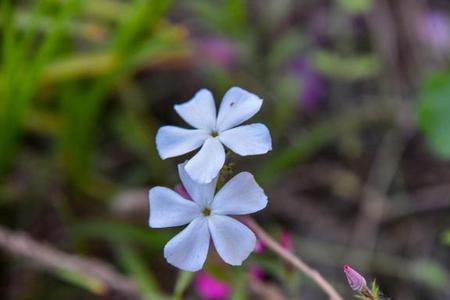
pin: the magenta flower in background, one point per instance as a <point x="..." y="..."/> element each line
<point x="259" y="247"/>
<point x="355" y="280"/>
<point x="256" y="272"/>
<point x="286" y="241"/>
<point x="434" y="30"/>
<point x="310" y="82"/>
<point x="210" y="288"/>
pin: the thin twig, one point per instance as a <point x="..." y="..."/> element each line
<point x="373" y="205"/>
<point x="295" y="261"/>
<point x="99" y="276"/>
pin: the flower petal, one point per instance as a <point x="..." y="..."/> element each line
<point x="200" y="193"/>
<point x="239" y="196"/>
<point x="200" y="111"/>
<point x="188" y="249"/>
<point x="237" y="106"/>
<point x="206" y="164"/>
<point x="168" y="209"/>
<point x="174" y="141"/>
<point x="233" y="240"/>
<point x="247" y="139"/>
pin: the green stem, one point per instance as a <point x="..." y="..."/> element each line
<point x="183" y="281"/>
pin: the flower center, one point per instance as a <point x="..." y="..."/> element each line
<point x="214" y="133"/>
<point x="206" y="212"/>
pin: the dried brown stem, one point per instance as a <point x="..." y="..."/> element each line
<point x="102" y="277"/>
<point x="290" y="258"/>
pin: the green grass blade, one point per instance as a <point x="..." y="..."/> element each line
<point x="145" y="280"/>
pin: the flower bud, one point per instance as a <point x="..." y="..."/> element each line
<point x="355" y="280"/>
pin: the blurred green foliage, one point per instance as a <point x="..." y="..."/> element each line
<point x="183" y="281"/>
<point x="446" y="237"/>
<point x="60" y="62"/>
<point x="134" y="264"/>
<point x="431" y="273"/>
<point x="84" y="79"/>
<point x="85" y="84"/>
<point x="434" y="111"/>
<point x="355" y="6"/>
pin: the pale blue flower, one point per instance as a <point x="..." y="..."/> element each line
<point x="212" y="131"/>
<point x="208" y="218"/>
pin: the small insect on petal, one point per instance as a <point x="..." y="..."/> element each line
<point x="355" y="280"/>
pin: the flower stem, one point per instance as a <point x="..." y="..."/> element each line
<point x="289" y="257"/>
<point x="183" y="281"/>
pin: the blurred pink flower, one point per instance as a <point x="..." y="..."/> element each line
<point x="210" y="288"/>
<point x="311" y="82"/>
<point x="434" y="30"/>
<point x="259" y="247"/>
<point x="218" y="50"/>
<point x="355" y="280"/>
<point x="256" y="272"/>
<point x="179" y="188"/>
<point x="286" y="241"/>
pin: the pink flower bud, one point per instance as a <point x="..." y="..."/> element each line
<point x="355" y="280"/>
<point x="210" y="288"/>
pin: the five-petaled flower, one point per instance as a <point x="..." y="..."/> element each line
<point x="207" y="216"/>
<point x="211" y="131"/>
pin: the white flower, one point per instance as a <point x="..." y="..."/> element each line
<point x="207" y="216"/>
<point x="211" y="132"/>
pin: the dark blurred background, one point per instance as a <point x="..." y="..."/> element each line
<point x="357" y="98"/>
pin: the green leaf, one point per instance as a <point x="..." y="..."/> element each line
<point x="355" y="6"/>
<point x="433" y="113"/>
<point x="446" y="237"/>
<point x="346" y="68"/>
<point x="375" y="290"/>
<point x="120" y="232"/>
<point x="431" y="273"/>
<point x="231" y="21"/>
<point x="90" y="284"/>
<point x="21" y="70"/>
